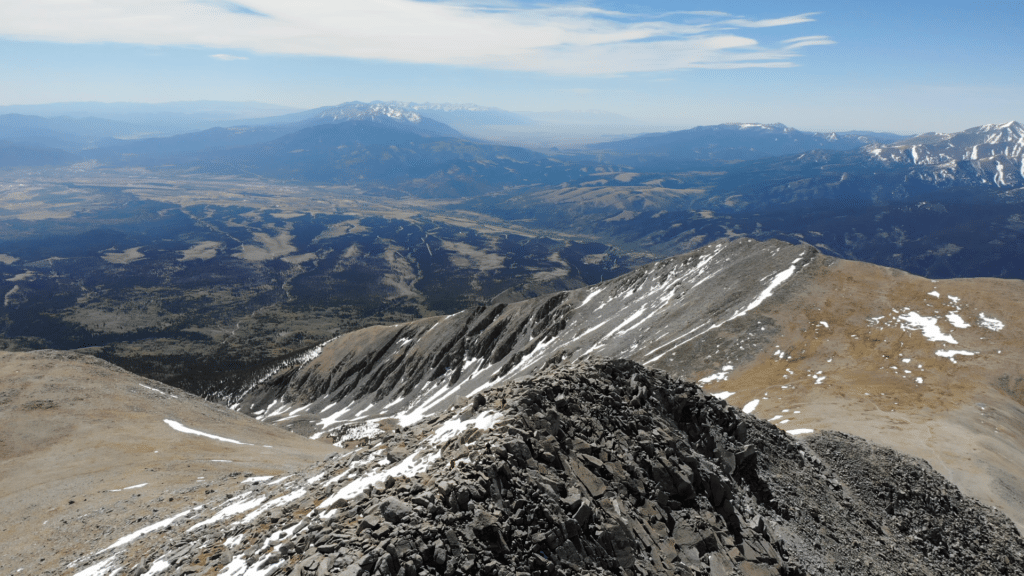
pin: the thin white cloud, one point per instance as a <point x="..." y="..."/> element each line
<point x="228" y="57"/>
<point x="794" y="43"/>
<point x="557" y="39"/>
<point x="773" y="22"/>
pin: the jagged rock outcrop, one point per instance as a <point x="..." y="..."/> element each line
<point x="600" y="467"/>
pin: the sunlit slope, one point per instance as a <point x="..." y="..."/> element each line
<point x="932" y="368"/>
<point x="89" y="453"/>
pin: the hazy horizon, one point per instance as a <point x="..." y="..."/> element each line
<point x="903" y="68"/>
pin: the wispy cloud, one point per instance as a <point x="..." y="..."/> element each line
<point x="233" y="7"/>
<point x="794" y="43"/>
<point x="228" y="57"/>
<point x="772" y="22"/>
<point x="570" y="39"/>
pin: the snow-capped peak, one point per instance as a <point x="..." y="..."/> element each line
<point x="987" y="154"/>
<point x="371" y="111"/>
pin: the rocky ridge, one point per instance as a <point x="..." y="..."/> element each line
<point x="929" y="368"/>
<point x="597" y="467"/>
<point x="984" y="155"/>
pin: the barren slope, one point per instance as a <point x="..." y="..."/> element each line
<point x="931" y="368"/>
<point x="90" y="453"/>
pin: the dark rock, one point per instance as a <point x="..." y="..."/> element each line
<point x="371" y="522"/>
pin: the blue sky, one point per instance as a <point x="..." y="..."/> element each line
<point x="907" y="67"/>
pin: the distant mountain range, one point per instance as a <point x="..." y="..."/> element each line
<point x="706" y="146"/>
<point x="870" y="196"/>
<point x="285" y="148"/>
<point x="166" y="118"/>
<point x="986" y="155"/>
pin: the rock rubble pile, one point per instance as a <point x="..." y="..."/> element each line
<point x="605" y="467"/>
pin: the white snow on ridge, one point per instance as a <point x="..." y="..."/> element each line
<point x="956" y="320"/>
<point x="414" y="413"/>
<point x="366" y="430"/>
<point x="157" y="567"/>
<point x="723" y="375"/>
<point x="593" y="292"/>
<point x="412" y="465"/>
<point x="749" y="407"/>
<point x="156" y="390"/>
<point x="180" y="428"/>
<point x="336" y="417"/>
<point x="151" y="528"/>
<point x="929" y="327"/>
<point x="991" y="323"/>
<point x="98" y="569"/>
<point x="453" y="427"/>
<point x="236" y="505"/>
<point x="951" y="354"/>
<point x="775" y="283"/>
<point x="276" y="502"/>
<point x="129" y="487"/>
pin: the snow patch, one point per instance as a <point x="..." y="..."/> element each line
<point x="991" y="323"/>
<point x="180" y="428"/>
<point x="956" y="320"/>
<point x="952" y="353"/>
<point x="928" y="326"/>
<point x="155" y="390"/>
<point x="723" y="375"/>
<point x="336" y="417"/>
<point x="157" y="567"/>
<point x="151" y="528"/>
<point x="98" y="569"/>
<point x="453" y="427"/>
<point x="364" y="431"/>
<point x="276" y="502"/>
<point x="131" y="487"/>
<point x="236" y="505"/>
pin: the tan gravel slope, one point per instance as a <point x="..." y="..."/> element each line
<point x="934" y="369"/>
<point x="90" y="452"/>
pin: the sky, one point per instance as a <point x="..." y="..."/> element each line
<point x="905" y="67"/>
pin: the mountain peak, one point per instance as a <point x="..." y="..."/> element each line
<point x="749" y="125"/>
<point x="988" y="154"/>
<point x="393" y="114"/>
<point x="1011" y="125"/>
<point x="369" y="111"/>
